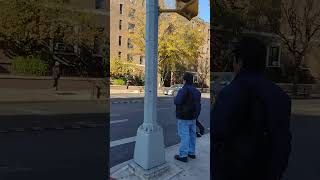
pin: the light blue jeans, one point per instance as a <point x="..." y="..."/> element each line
<point x="187" y="134"/>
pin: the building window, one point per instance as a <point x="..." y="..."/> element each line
<point x="119" y="54"/>
<point x="121" y="8"/>
<point x="132" y="13"/>
<point x="141" y="59"/>
<point x="120" y="24"/>
<point x="131" y="26"/>
<point x="129" y="57"/>
<point x="100" y="4"/>
<point x="120" y="38"/>
<point x="273" y="59"/>
<point x="130" y="45"/>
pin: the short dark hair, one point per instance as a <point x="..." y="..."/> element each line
<point x="251" y="52"/>
<point x="188" y="77"/>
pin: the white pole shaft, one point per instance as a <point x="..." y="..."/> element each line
<point x="151" y="63"/>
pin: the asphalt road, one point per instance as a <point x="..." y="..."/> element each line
<point x="304" y="162"/>
<point x="70" y="141"/>
<point x="126" y="118"/>
<point x="54" y="141"/>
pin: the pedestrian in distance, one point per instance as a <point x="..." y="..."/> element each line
<point x="128" y="83"/>
<point x="188" y="107"/>
<point x="56" y="74"/>
<point x="250" y="121"/>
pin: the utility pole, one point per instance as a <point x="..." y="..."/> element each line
<point x="149" y="151"/>
<point x="149" y="148"/>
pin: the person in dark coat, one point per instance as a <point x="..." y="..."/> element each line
<point x="250" y="121"/>
<point x="56" y="74"/>
<point x="188" y="107"/>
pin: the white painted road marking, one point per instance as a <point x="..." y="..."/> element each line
<point x="122" y="141"/>
<point x="118" y="121"/>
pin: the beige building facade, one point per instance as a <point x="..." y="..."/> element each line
<point x="123" y="22"/>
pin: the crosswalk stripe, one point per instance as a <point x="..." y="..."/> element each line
<point x="122" y="141"/>
<point x="118" y="121"/>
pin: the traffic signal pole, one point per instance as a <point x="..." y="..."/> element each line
<point x="149" y="147"/>
<point x="149" y="151"/>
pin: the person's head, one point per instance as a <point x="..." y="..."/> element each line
<point x="250" y="55"/>
<point x="57" y="63"/>
<point x="187" y="78"/>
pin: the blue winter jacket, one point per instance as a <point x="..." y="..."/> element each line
<point x="181" y="99"/>
<point x="250" y="129"/>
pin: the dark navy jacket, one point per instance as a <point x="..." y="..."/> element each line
<point x="196" y="99"/>
<point x="250" y="130"/>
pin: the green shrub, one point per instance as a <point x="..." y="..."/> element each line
<point x="119" y="82"/>
<point x="30" y="66"/>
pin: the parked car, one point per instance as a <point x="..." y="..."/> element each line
<point x="217" y="86"/>
<point x="173" y="90"/>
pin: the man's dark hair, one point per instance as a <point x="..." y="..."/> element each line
<point x="188" y="77"/>
<point x="252" y="53"/>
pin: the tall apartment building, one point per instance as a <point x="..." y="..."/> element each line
<point x="123" y="23"/>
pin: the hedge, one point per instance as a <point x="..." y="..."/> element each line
<point x="30" y="66"/>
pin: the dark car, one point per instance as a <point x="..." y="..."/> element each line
<point x="217" y="86"/>
<point x="173" y="90"/>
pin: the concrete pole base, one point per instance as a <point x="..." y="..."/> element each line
<point x="149" y="151"/>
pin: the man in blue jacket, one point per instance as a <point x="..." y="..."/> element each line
<point x="188" y="107"/>
<point x="250" y="121"/>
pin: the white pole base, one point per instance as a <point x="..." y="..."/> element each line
<point x="149" y="151"/>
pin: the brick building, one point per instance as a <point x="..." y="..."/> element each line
<point x="123" y="23"/>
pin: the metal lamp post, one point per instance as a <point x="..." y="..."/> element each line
<point x="149" y="147"/>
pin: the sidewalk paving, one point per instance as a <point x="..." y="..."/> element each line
<point x="198" y="168"/>
<point x="9" y="95"/>
<point x="12" y="76"/>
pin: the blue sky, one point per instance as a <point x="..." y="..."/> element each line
<point x="204" y="9"/>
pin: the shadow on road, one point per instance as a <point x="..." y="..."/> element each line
<point x="304" y="160"/>
<point x="74" y="153"/>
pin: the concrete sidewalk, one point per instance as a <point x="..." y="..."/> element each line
<point x="10" y="95"/>
<point x="194" y="169"/>
<point x="23" y="77"/>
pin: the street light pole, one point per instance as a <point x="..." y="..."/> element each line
<point x="149" y="147"/>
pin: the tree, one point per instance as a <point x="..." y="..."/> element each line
<point x="29" y="27"/>
<point x="233" y="18"/>
<point x="203" y="71"/>
<point x="230" y="18"/>
<point x="179" y="41"/>
<point x="300" y="32"/>
<point x="121" y="69"/>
